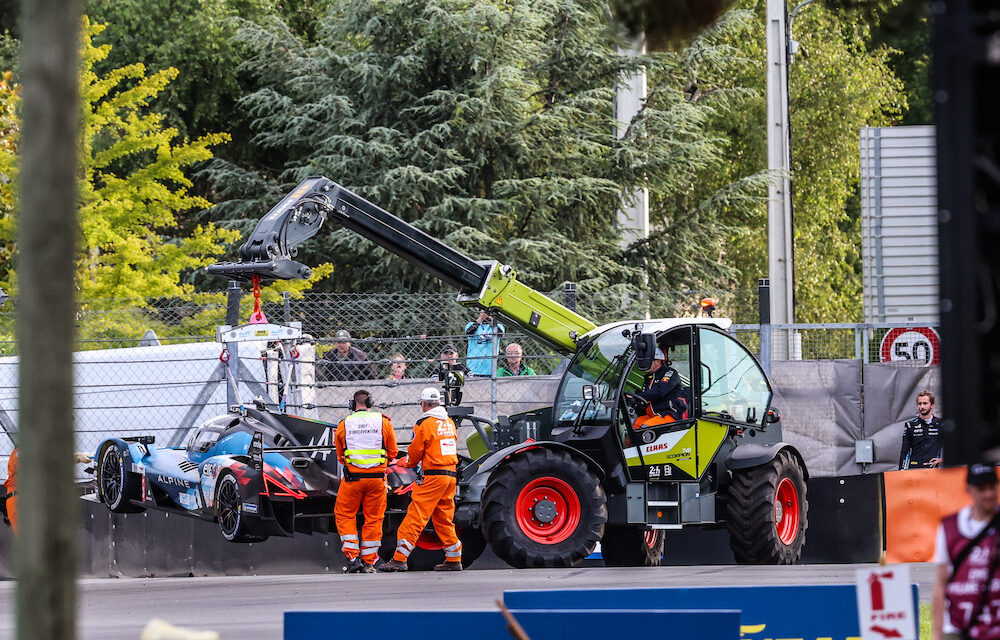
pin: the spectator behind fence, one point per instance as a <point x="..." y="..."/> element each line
<point x="449" y="360"/>
<point x="397" y="367"/>
<point x="481" y="352"/>
<point x="922" y="439"/>
<point x="345" y="362"/>
<point x="514" y="366"/>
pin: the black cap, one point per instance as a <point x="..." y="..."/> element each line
<point x="981" y="474"/>
<point x="449" y="347"/>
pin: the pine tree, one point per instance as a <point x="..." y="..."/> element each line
<point x="487" y="124"/>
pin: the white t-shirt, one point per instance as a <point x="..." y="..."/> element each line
<point x="969" y="528"/>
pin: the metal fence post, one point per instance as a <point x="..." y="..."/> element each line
<point x="234" y="295"/>
<point x="569" y="296"/>
<point x="495" y="355"/>
<point x="764" y="311"/>
<point x="864" y="344"/>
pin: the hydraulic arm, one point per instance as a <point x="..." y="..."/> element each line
<point x="270" y="250"/>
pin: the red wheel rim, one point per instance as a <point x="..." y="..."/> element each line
<point x="430" y="541"/>
<point x="547" y="510"/>
<point x="786" y="511"/>
<point x="649" y="537"/>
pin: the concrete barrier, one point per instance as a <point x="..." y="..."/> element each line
<point x="490" y="625"/>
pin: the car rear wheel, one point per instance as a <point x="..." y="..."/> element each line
<point x="117" y="485"/>
<point x="632" y="547"/>
<point x="229" y="511"/>
<point x="544" y="508"/>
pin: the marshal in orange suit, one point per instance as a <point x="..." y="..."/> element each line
<point x="434" y="447"/>
<point x="365" y="441"/>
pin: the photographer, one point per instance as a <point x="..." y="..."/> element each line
<point x="482" y="346"/>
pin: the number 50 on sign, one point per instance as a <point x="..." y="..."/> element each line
<point x="918" y="345"/>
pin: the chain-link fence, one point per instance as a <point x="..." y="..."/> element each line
<point x="121" y="323"/>
<point x="155" y="368"/>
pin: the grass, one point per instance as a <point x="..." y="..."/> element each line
<point x="925" y="621"/>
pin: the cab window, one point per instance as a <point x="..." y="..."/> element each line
<point x="733" y="385"/>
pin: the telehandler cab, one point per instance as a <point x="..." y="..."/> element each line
<point x="547" y="485"/>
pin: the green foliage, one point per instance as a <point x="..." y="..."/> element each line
<point x="696" y="201"/>
<point x="488" y="125"/>
<point x="199" y="39"/>
<point x="126" y="215"/>
<point x="837" y="85"/>
<point x="196" y="37"/>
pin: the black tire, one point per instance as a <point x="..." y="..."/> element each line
<point x="767" y="512"/>
<point x="229" y="511"/>
<point x="473" y="545"/>
<point x="117" y="486"/>
<point x="523" y="535"/>
<point x="632" y="547"/>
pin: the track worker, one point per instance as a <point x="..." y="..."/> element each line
<point x="663" y="392"/>
<point x="11" y="485"/>
<point x="434" y="447"/>
<point x="967" y="552"/>
<point x="365" y="442"/>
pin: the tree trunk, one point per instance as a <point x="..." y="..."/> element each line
<point x="45" y="557"/>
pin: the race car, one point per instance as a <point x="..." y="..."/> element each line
<point x="256" y="473"/>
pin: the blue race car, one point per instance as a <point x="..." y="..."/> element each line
<point x="256" y="473"/>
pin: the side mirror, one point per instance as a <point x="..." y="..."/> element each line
<point x="706" y="379"/>
<point x="645" y="349"/>
<point x="589" y="392"/>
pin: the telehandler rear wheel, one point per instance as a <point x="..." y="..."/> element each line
<point x="767" y="510"/>
<point x="543" y="508"/>
<point x="631" y="547"/>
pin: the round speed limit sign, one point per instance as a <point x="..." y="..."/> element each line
<point x="919" y="344"/>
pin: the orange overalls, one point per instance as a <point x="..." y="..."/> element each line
<point x="365" y="441"/>
<point x="435" y="446"/>
<point x="11" y="484"/>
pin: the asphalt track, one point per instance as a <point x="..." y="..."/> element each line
<point x="251" y="607"/>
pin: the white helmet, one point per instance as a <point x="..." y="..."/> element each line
<point x="658" y="355"/>
<point x="430" y="394"/>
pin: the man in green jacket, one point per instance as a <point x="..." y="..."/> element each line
<point x="514" y="366"/>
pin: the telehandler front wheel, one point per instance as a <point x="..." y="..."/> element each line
<point x="631" y="547"/>
<point x="767" y="511"/>
<point x="544" y="508"/>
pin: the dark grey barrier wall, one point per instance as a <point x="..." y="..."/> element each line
<point x="890" y="399"/>
<point x="845" y="526"/>
<point x="159" y="544"/>
<point x="844" y="516"/>
<point x="820" y="405"/>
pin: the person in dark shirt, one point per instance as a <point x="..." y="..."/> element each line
<point x="922" y="440"/>
<point x="449" y="362"/>
<point x="663" y="390"/>
<point x="345" y="362"/>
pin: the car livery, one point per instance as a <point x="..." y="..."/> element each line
<point x="254" y="472"/>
